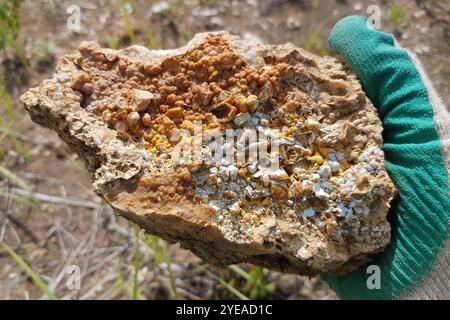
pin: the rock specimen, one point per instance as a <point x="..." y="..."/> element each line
<point x="304" y="190"/>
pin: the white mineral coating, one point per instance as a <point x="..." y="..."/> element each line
<point x="142" y="99"/>
<point x="323" y="210"/>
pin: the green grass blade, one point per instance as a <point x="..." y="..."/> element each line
<point x="20" y="147"/>
<point x="239" y="271"/>
<point x="129" y="26"/>
<point x="114" y="42"/>
<point x="6" y="99"/>
<point x="226" y="285"/>
<point x="5" y="128"/>
<point x="396" y="16"/>
<point x="11" y="176"/>
<point x="137" y="262"/>
<point x="130" y="291"/>
<point x="161" y="254"/>
<point x="173" y="282"/>
<point x="152" y="41"/>
<point x="120" y="283"/>
<point x="30" y="273"/>
<point x="30" y="202"/>
<point x="51" y="7"/>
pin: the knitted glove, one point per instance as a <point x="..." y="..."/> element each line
<point x="416" y="263"/>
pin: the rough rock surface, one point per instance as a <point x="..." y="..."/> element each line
<point x="321" y="210"/>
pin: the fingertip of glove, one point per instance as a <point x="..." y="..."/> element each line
<point x="343" y="32"/>
<point x="354" y="33"/>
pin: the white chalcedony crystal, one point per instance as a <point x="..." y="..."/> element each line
<point x="304" y="254"/>
<point x="325" y="171"/>
<point x="320" y="192"/>
<point x="232" y="172"/>
<point x="279" y="174"/>
<point x="235" y="208"/>
<point x="142" y="99"/>
<point x="308" y="213"/>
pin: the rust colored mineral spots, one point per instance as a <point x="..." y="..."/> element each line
<point x="322" y="209"/>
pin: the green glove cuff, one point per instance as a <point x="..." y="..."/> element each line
<point x="413" y="159"/>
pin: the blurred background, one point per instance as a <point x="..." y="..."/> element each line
<point x="57" y="239"/>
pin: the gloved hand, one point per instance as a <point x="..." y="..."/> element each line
<point x="416" y="263"/>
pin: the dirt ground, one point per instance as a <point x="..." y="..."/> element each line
<point x="67" y="225"/>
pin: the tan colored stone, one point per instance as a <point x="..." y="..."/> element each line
<point x="324" y="212"/>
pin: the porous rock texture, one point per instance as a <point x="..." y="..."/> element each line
<point x="322" y="210"/>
